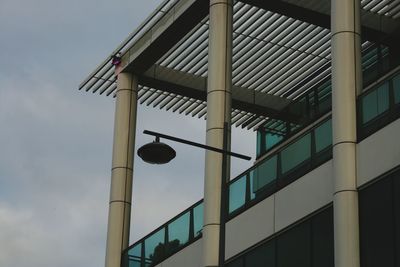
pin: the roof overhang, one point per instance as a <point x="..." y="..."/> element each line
<point x="281" y="48"/>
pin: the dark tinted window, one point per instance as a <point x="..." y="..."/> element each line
<point x="261" y="256"/>
<point x="322" y="239"/>
<point x="396" y="87"/>
<point x="396" y="201"/>
<point x="293" y="247"/>
<point x="376" y="225"/>
<point x="236" y="263"/>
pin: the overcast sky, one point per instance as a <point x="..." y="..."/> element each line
<point x="55" y="141"/>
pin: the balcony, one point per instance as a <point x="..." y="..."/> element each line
<point x="284" y="162"/>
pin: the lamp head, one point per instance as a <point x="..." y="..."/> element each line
<point x="156" y="152"/>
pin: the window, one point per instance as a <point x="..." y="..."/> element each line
<point x="259" y="145"/>
<point x="263" y="175"/>
<point x="396" y="88"/>
<point x="237" y="194"/>
<point x="323" y="136"/>
<point x="178" y="232"/>
<point x="396" y="200"/>
<point x="236" y="263"/>
<point x="272" y="139"/>
<point x="261" y="256"/>
<point x="296" y="153"/>
<point x="375" y="103"/>
<point x="198" y="219"/>
<point x="322" y="239"/>
<point x="294" y="247"/>
<point x="309" y="243"/>
<point x="325" y="97"/>
<point x="155" y="247"/>
<point x="377" y="225"/>
<point x="135" y="255"/>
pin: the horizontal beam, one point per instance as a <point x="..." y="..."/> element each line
<point x="166" y="33"/>
<point x="372" y="29"/>
<point x="192" y="86"/>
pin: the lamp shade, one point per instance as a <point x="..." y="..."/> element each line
<point x="156" y="153"/>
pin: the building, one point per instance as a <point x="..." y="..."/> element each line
<point x="318" y="80"/>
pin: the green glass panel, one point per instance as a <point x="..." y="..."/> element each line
<point x="296" y="153"/>
<point x="155" y="247"/>
<point x="325" y="104"/>
<point x="135" y="255"/>
<point x="264" y="174"/>
<point x="323" y="136"/>
<point x="198" y="219"/>
<point x="259" y="148"/>
<point x="324" y="97"/>
<point x="369" y="107"/>
<point x="375" y="103"/>
<point x="237" y="194"/>
<point x="396" y="87"/>
<point x="383" y="98"/>
<point x="272" y="139"/>
<point x="178" y="232"/>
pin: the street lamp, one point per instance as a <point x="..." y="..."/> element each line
<point x="157" y="152"/>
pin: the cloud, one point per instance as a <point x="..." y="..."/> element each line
<point x="56" y="141"/>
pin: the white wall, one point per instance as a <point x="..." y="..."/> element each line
<point x="378" y="153"/>
<point x="302" y="197"/>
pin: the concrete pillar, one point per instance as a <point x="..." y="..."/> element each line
<point x="346" y="85"/>
<point x="122" y="169"/>
<point x="218" y="114"/>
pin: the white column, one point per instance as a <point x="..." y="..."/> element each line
<point x="122" y="169"/>
<point x="346" y="84"/>
<point x="218" y="114"/>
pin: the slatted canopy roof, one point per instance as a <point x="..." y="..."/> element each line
<point x="281" y="49"/>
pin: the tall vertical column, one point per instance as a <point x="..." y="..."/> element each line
<point x="346" y="84"/>
<point x="218" y="115"/>
<point x="122" y="169"/>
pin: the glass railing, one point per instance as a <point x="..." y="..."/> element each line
<point x="285" y="165"/>
<point x="379" y="106"/>
<point x="318" y="101"/>
<point x="314" y="104"/>
<point x="166" y="240"/>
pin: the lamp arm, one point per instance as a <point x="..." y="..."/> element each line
<point x="187" y="142"/>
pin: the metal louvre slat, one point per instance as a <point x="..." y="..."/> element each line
<point x="272" y="53"/>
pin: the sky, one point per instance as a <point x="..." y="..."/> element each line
<point x="56" y="141"/>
